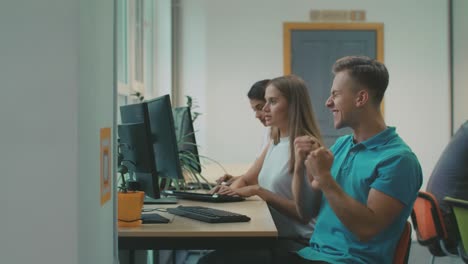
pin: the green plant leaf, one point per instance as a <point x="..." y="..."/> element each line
<point x="215" y="161"/>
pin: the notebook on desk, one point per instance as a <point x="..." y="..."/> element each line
<point x="204" y="197"/>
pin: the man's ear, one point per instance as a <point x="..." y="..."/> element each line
<point x="362" y="98"/>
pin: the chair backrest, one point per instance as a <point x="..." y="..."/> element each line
<point x="403" y="247"/>
<point x="427" y="219"/>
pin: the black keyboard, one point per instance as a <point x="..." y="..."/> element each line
<point x="199" y="185"/>
<point x="209" y="215"/>
<point x="212" y="198"/>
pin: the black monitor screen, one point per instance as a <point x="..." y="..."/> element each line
<point x="135" y="148"/>
<point x="186" y="136"/>
<point x="164" y="138"/>
<point x="135" y="138"/>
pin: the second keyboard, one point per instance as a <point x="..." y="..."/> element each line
<point x="207" y="214"/>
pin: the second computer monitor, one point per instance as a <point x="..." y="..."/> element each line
<point x="185" y="134"/>
<point x="164" y="139"/>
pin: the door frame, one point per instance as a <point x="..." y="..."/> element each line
<point x="288" y="27"/>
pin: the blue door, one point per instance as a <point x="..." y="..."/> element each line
<point x="313" y="53"/>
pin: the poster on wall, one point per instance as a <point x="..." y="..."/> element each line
<point x="105" y="157"/>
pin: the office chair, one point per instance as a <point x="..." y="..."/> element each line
<point x="403" y="247"/>
<point x="429" y="224"/>
<point x="460" y="210"/>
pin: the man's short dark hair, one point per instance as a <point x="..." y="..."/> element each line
<point x="367" y="72"/>
<point x="257" y="91"/>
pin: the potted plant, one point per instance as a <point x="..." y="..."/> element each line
<point x="129" y="201"/>
<point x="188" y="156"/>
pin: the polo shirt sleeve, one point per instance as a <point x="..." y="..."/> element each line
<point x="400" y="177"/>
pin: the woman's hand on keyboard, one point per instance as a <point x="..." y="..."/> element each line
<point x="225" y="190"/>
<point x="226" y="178"/>
<point x="215" y="189"/>
<point x="246" y="191"/>
<point x="218" y="188"/>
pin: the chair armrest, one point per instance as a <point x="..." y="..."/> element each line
<point x="456" y="202"/>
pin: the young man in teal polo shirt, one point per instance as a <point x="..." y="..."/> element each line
<point x="369" y="179"/>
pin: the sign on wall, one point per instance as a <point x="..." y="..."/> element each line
<point x="105" y="171"/>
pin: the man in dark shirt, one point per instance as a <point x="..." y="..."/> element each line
<point x="450" y="178"/>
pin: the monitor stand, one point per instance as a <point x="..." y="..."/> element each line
<point x="162" y="200"/>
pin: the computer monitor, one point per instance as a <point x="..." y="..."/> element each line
<point x="185" y="135"/>
<point x="135" y="153"/>
<point x="147" y="176"/>
<point x="164" y="140"/>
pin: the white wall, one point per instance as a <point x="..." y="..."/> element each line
<point x="43" y="135"/>
<point x="228" y="45"/>
<point x="96" y="108"/>
<point x="193" y="71"/>
<point x="162" y="52"/>
<point x="38" y="73"/>
<point x="460" y="63"/>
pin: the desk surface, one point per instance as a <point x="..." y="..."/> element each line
<point x="184" y="232"/>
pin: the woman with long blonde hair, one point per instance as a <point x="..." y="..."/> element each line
<point x="289" y="113"/>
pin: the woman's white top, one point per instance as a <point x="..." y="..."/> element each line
<point x="265" y="140"/>
<point x="274" y="176"/>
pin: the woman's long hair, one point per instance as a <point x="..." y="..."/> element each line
<point x="301" y="116"/>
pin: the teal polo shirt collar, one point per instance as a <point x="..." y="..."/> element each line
<point x="377" y="140"/>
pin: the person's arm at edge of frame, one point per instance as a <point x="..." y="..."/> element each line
<point x="363" y="220"/>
